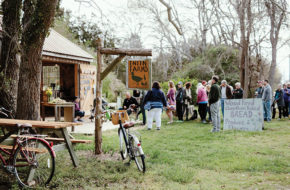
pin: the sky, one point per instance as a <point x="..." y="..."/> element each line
<point x="125" y="19"/>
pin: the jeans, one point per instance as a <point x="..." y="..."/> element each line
<point x="267" y="110"/>
<point x="215" y="116"/>
<point x="154" y="113"/>
<point x="223" y="105"/>
<point x="142" y="110"/>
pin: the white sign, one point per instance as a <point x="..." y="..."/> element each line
<point x="243" y="114"/>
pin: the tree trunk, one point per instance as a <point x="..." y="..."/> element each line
<point x="36" y="23"/>
<point x="10" y="59"/>
<point x="98" y="118"/>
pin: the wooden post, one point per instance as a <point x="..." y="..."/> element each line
<point x="98" y="118"/>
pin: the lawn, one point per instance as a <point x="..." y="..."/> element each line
<point x="185" y="156"/>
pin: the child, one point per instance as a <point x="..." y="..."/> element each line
<point x="78" y="113"/>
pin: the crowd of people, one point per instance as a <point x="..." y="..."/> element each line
<point x="210" y="100"/>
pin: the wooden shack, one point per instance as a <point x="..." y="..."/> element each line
<point x="68" y="71"/>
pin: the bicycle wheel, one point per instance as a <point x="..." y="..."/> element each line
<point x="34" y="163"/>
<point x="138" y="154"/>
<point x="123" y="148"/>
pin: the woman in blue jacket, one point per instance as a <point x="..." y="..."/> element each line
<point x="156" y="100"/>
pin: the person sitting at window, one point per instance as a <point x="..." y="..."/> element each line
<point x="78" y="113"/>
<point x="130" y="104"/>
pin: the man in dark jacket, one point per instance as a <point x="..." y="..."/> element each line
<point x="180" y="97"/>
<point x="238" y="92"/>
<point x="214" y="102"/>
<point x="286" y="95"/>
<point x="279" y="100"/>
<point x="130" y="104"/>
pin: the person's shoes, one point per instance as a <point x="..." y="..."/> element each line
<point x="265" y="119"/>
<point x="278" y="119"/>
<point x="148" y="129"/>
<point x="168" y="123"/>
<point x="80" y="120"/>
<point x="76" y="121"/>
<point x="158" y="128"/>
<point x="179" y="121"/>
<point x="203" y="121"/>
<point x="213" y="131"/>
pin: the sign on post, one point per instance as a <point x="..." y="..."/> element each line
<point x="139" y="74"/>
<point x="243" y="114"/>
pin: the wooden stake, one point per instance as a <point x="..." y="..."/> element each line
<point x="98" y="117"/>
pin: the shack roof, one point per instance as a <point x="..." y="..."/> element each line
<point x="56" y="45"/>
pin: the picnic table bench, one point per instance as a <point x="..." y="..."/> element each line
<point x="43" y="128"/>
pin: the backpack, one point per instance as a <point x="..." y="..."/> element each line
<point x="194" y="115"/>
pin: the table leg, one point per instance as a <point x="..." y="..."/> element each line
<point x="55" y="113"/>
<point x="43" y="112"/>
<point x="69" y="147"/>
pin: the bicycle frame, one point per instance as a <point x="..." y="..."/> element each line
<point x="17" y="143"/>
<point x="124" y="134"/>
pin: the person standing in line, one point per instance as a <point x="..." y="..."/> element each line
<point x="207" y="93"/>
<point x="187" y="99"/>
<point x="279" y="100"/>
<point x="285" y="97"/>
<point x="171" y="101"/>
<point x="180" y="96"/>
<point x="238" y="92"/>
<point x="202" y="101"/>
<point x="288" y="94"/>
<point x="259" y="90"/>
<point x="157" y="101"/>
<point x="226" y="93"/>
<point x="214" y="102"/>
<point x="267" y="98"/>
<point x="142" y="110"/>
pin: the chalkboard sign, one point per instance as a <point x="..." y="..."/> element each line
<point x="139" y="74"/>
<point x="243" y="114"/>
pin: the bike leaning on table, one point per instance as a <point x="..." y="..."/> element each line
<point x="31" y="158"/>
<point x="130" y="145"/>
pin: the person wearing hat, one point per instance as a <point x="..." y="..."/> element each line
<point x="180" y="97"/>
<point x="259" y="90"/>
<point x="226" y="93"/>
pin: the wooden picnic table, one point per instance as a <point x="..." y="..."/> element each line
<point x="44" y="127"/>
<point x="69" y="110"/>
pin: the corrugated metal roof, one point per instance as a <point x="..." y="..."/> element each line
<point x="58" y="46"/>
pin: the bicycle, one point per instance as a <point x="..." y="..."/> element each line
<point x="31" y="158"/>
<point x="130" y="145"/>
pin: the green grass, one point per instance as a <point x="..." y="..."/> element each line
<point x="185" y="156"/>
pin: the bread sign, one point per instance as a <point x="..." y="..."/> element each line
<point x="139" y="74"/>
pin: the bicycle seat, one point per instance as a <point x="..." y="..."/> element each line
<point x="128" y="125"/>
<point x="24" y="126"/>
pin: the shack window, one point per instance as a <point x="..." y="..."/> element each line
<point x="51" y="77"/>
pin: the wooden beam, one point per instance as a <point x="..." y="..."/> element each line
<point x="98" y="114"/>
<point x="128" y="52"/>
<point x="111" y="66"/>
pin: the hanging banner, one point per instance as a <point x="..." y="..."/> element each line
<point x="243" y="114"/>
<point x="139" y="74"/>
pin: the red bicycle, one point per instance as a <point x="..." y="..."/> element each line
<point x="31" y="158"/>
